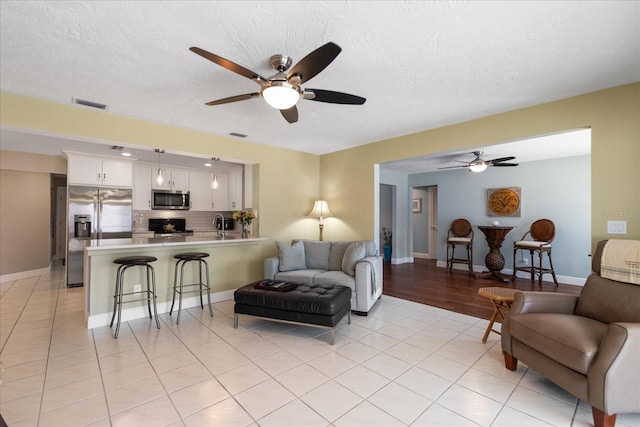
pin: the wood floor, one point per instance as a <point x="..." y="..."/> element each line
<point x="425" y="283"/>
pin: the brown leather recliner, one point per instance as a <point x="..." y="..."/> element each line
<point x="589" y="344"/>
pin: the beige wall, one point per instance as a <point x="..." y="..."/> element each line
<point x="289" y="181"/>
<point x="613" y="115"/>
<point x="24" y="221"/>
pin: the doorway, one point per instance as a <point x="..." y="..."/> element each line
<point x="424" y="225"/>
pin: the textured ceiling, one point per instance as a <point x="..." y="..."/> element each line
<point x="420" y="64"/>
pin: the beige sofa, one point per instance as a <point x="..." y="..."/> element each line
<point x="588" y="344"/>
<point x="355" y="264"/>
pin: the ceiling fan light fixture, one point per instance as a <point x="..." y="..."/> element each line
<point x="281" y="95"/>
<point x="477" y="166"/>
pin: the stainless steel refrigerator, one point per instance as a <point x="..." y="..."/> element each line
<point x="94" y="213"/>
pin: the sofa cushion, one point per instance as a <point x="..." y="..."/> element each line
<point x="298" y="276"/>
<point x="354" y="253"/>
<point x="337" y="254"/>
<point x="291" y="257"/>
<point x="570" y="340"/>
<point x="370" y="248"/>
<point x="316" y="253"/>
<point x="336" y="278"/>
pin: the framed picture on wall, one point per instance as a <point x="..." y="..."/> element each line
<point x="416" y="205"/>
<point x="503" y="201"/>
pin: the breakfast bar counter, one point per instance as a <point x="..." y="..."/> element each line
<point x="233" y="262"/>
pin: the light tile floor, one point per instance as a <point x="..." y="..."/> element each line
<point x="406" y="364"/>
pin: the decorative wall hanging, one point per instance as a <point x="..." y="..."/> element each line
<point x="503" y="201"/>
<point x="416" y="205"/>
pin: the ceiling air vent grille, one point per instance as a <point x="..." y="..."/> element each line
<point x="91" y="104"/>
<point x="239" y="135"/>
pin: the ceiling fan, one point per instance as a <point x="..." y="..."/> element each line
<point x="479" y="165"/>
<point x="283" y="89"/>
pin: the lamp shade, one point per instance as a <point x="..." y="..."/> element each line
<point x="320" y="210"/>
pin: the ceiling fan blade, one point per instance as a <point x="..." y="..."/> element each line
<point x="333" y="97"/>
<point x="502" y="159"/>
<point x="316" y="61"/>
<point x="505" y="164"/>
<point x="231" y="66"/>
<point x="453" y="167"/>
<point x="234" y="99"/>
<point x="290" y="115"/>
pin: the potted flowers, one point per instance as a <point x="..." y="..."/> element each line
<point x="388" y="239"/>
<point x="244" y="218"/>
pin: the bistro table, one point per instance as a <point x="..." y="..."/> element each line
<point x="494" y="261"/>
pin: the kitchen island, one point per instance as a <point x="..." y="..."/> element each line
<point x="233" y="262"/>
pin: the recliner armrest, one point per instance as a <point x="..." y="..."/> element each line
<point x="614" y="375"/>
<point x="271" y="267"/>
<point x="543" y="302"/>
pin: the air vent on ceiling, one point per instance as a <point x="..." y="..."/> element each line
<point x="239" y="135"/>
<point x="91" y="104"/>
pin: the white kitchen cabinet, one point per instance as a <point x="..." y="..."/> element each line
<point x="219" y="200"/>
<point x="200" y="188"/>
<point x="90" y="170"/>
<point x="142" y="188"/>
<point x="174" y="179"/>
<point x="234" y="189"/>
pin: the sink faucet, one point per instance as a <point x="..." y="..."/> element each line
<point x="221" y="231"/>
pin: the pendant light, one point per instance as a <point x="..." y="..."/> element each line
<point x="160" y="177"/>
<point x="214" y="183"/>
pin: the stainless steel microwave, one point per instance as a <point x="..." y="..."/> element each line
<point x="170" y="200"/>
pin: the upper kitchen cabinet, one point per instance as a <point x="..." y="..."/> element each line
<point x="142" y="187"/>
<point x="235" y="186"/>
<point x="219" y="201"/>
<point x="100" y="171"/>
<point x="200" y="187"/>
<point x="173" y="179"/>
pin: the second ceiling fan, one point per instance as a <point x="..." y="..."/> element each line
<point x="283" y="89"/>
<point x="479" y="165"/>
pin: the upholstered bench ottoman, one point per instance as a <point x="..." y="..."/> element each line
<point x="317" y="305"/>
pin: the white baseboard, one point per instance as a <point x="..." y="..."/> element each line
<point x="23" y="274"/>
<point x="421" y="255"/>
<point x="405" y="260"/>
<point x="103" y="319"/>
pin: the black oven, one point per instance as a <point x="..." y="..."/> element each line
<point x="174" y="200"/>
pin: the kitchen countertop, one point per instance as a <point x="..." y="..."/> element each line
<point x="149" y="242"/>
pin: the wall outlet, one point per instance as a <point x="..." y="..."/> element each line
<point x="137" y="289"/>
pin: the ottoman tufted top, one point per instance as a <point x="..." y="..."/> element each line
<point x="326" y="299"/>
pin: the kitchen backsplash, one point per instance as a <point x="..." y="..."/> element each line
<point x="196" y="220"/>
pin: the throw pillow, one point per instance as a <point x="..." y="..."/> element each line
<point x="316" y="254"/>
<point x="291" y="257"/>
<point x="354" y="253"/>
<point x="337" y="255"/>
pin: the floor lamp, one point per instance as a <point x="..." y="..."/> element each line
<point x="320" y="210"/>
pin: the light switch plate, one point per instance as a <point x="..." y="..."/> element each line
<point x="617" y="227"/>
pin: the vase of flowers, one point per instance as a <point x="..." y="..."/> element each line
<point x="387" y="247"/>
<point x="244" y="218"/>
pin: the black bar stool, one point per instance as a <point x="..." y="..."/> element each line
<point x="183" y="259"/>
<point x="123" y="264"/>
